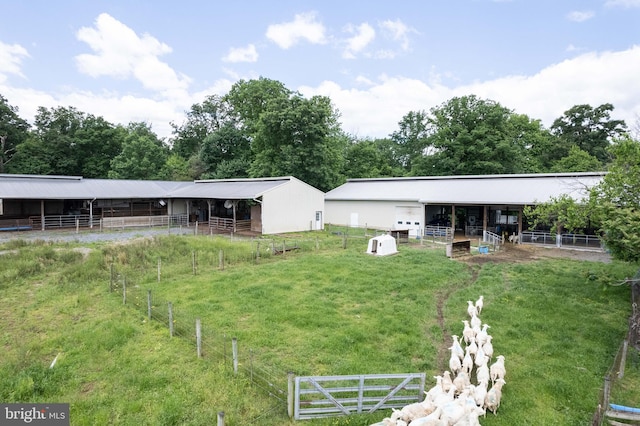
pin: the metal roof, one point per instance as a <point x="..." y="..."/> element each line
<point x="515" y="189"/>
<point x="239" y="189"/>
<point x="74" y="187"/>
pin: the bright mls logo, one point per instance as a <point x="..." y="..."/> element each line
<point x="36" y="414"/>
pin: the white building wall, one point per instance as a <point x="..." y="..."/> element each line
<point x="291" y="208"/>
<point x="373" y="214"/>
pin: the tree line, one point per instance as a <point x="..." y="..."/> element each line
<point x="261" y="128"/>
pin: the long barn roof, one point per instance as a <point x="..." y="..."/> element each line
<point x="74" y="187"/>
<point x="515" y="189"/>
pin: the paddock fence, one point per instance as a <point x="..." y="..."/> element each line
<point x="572" y="241"/>
<point x="292" y="395"/>
<point x="606" y="411"/>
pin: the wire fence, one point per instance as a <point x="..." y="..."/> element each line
<point x="132" y="266"/>
<point x="616" y="371"/>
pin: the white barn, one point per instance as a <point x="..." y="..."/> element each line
<point x="262" y="205"/>
<point x="465" y="203"/>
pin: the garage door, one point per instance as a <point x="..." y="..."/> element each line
<point x="409" y="217"/>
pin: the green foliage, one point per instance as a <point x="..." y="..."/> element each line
<point x="13" y="131"/>
<point x="590" y="129"/>
<point x="577" y="161"/>
<point x="617" y="199"/>
<point x="143" y="156"/>
<point x="469" y="136"/>
<point x="561" y="214"/>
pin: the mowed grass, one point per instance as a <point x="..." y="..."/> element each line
<point x="327" y="312"/>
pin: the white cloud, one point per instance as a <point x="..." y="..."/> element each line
<point x="242" y="54"/>
<point x="11" y="56"/>
<point x="363" y="35"/>
<point x="121" y="53"/>
<point x="591" y="78"/>
<point x="303" y="27"/>
<point x="580" y="16"/>
<point x="398" y="31"/>
<point x="623" y="3"/>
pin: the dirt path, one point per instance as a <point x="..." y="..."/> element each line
<point x="509" y="253"/>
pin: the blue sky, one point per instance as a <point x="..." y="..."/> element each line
<point x="377" y="60"/>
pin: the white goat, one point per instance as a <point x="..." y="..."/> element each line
<point x="432" y="419"/>
<point x="481" y="336"/>
<point x="468" y="332"/>
<point x="482" y="373"/>
<point x="456" y="347"/>
<point x="487" y="348"/>
<point x="454" y="363"/>
<point x="447" y="383"/>
<point x="473" y="347"/>
<point x="480" y="392"/>
<point x="513" y="238"/>
<point x="467" y="361"/>
<point x="479" y="359"/>
<point x="494" y="395"/>
<point x="479" y="304"/>
<point x="497" y="369"/>
<point x="475" y="323"/>
<point x="471" y="309"/>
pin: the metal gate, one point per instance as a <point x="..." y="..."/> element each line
<point x="328" y="396"/>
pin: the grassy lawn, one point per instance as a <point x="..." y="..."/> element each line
<point x="317" y="310"/>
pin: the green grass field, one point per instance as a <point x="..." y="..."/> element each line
<point x="320" y="310"/>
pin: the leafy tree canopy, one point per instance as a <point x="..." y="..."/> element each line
<point x="13" y="131"/>
<point x="590" y="129"/>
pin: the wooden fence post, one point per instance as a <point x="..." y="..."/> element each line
<point x="159" y="262"/>
<point x="221" y="260"/>
<point x="257" y="251"/>
<point x="193" y="261"/>
<point x="111" y="278"/>
<point x="623" y="359"/>
<point x="220" y="418"/>
<point x="149" y="304"/>
<point x="170" y="319"/>
<point x="199" y="337"/>
<point x="290" y="395"/>
<point x="234" y="349"/>
<point x="251" y="366"/>
<point x="124" y="290"/>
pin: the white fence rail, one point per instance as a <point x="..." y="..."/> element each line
<point x="492" y="238"/>
<point x="143" y="221"/>
<point x="563" y="240"/>
<point x="438" y="233"/>
<point x="328" y="396"/>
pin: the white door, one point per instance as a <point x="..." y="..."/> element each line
<point x="354" y="219"/>
<point x="409" y="217"/>
<point x="319" y="226"/>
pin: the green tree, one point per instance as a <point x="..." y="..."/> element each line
<point x="617" y="200"/>
<point x="411" y="139"/>
<point x="66" y="141"/>
<point x="176" y="168"/>
<point x="249" y="99"/>
<point x="471" y="136"/>
<point x="577" y="161"/>
<point x="363" y="159"/>
<point x="201" y="121"/>
<point x="143" y="155"/>
<point x="590" y="129"/>
<point x="561" y="214"/>
<point x="300" y="137"/>
<point x="226" y="150"/>
<point x="13" y="131"/>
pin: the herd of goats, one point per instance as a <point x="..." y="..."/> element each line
<point x="471" y="387"/>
